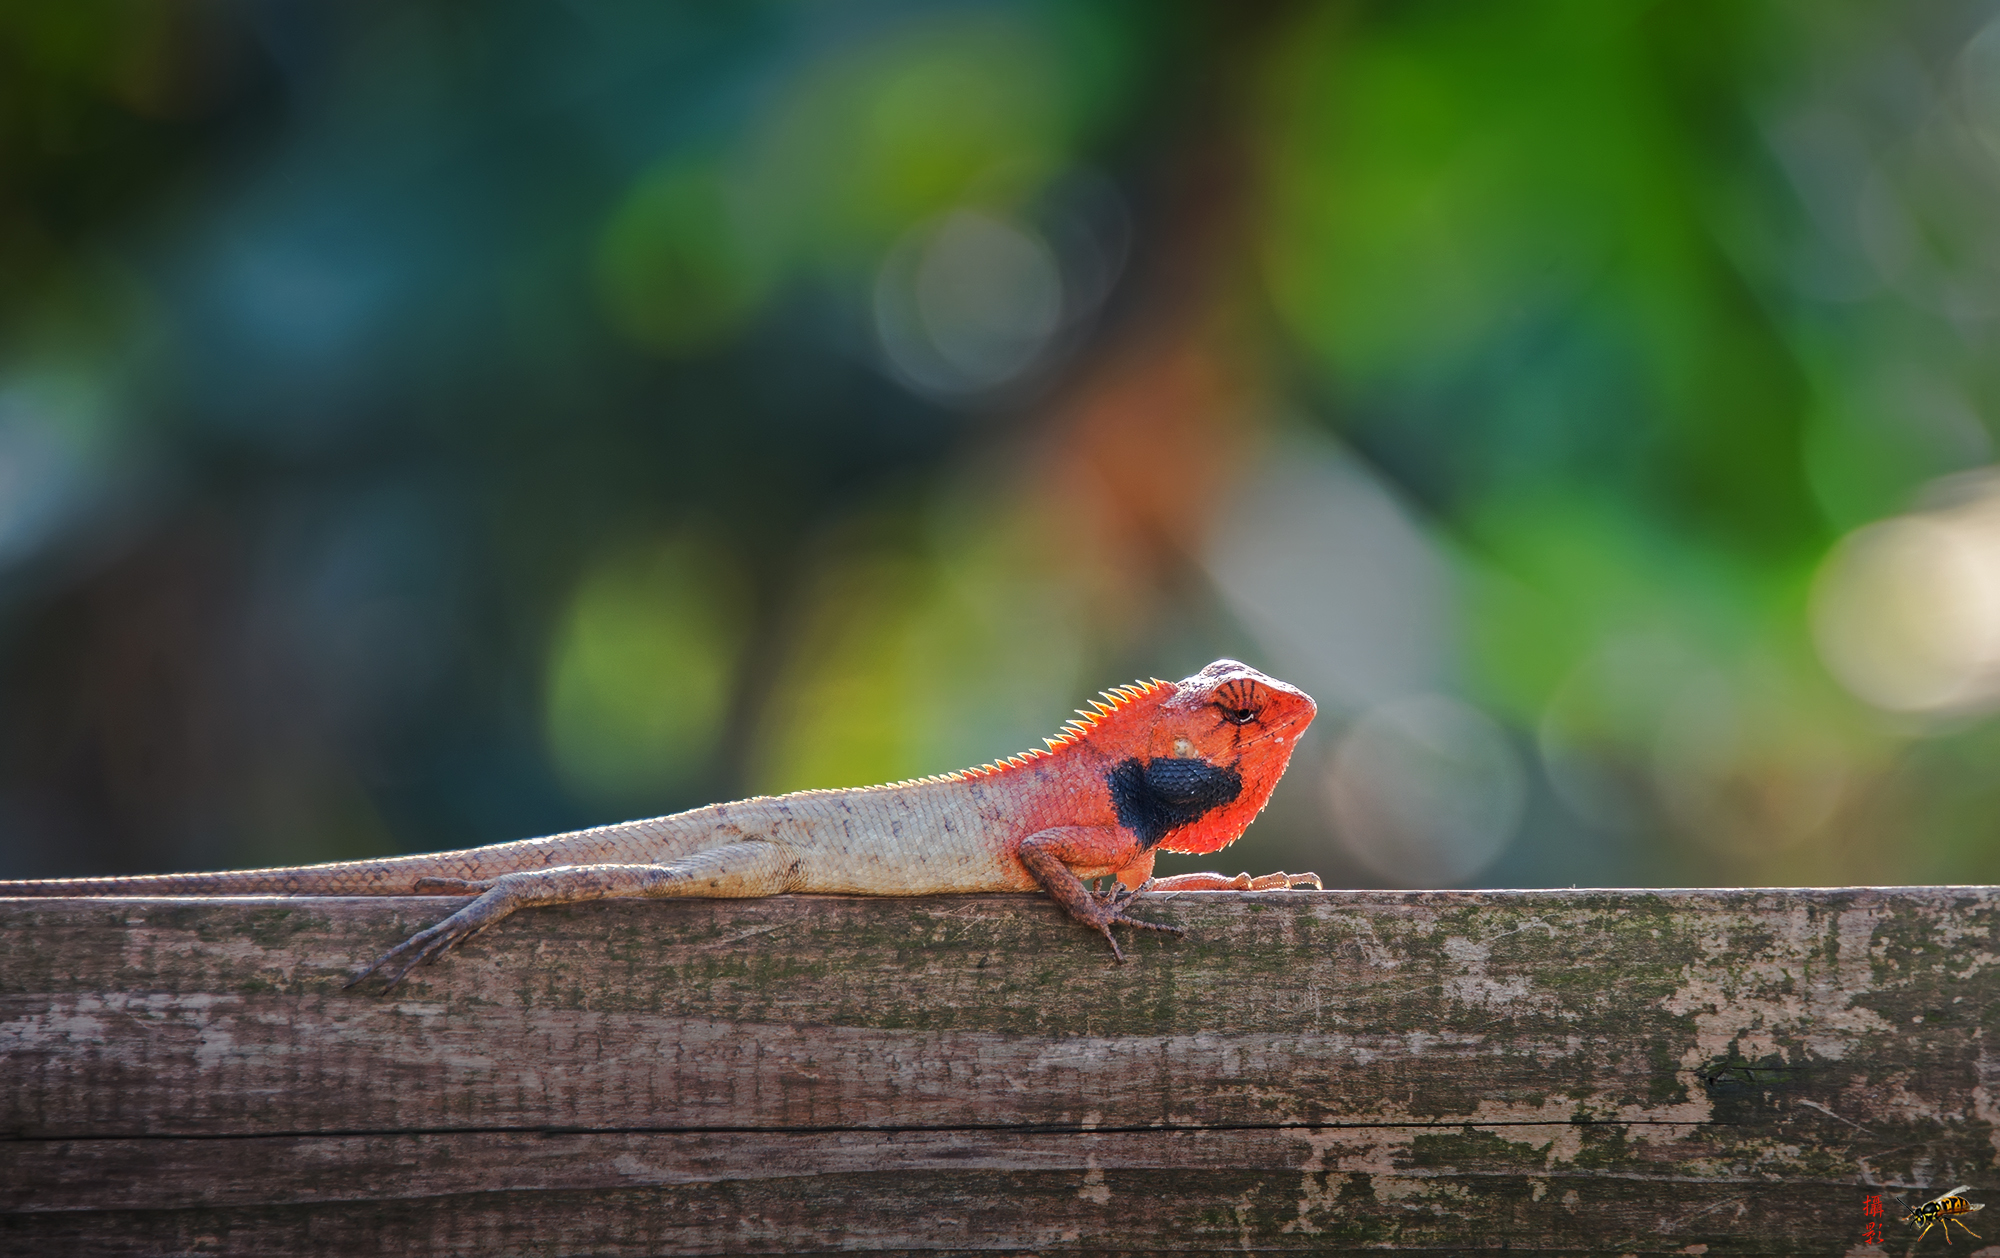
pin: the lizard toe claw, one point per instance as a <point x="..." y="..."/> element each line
<point x="1111" y="912"/>
<point x="1121" y="895"/>
<point x="386" y="964"/>
<point x="431" y="943"/>
<point x="1133" y="921"/>
<point x="395" y="964"/>
<point x="452" y="886"/>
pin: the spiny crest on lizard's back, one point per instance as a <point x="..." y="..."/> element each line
<point x="1117" y="700"/>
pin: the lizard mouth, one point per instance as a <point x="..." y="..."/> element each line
<point x="1276" y="730"/>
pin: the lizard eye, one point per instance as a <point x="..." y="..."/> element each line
<point x="1238" y="700"/>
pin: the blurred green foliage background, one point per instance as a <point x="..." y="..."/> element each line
<point x="430" y="424"/>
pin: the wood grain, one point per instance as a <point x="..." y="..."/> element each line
<point x="1559" y="1072"/>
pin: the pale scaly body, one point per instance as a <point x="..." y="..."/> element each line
<point x="1153" y="768"/>
<point x="908" y="839"/>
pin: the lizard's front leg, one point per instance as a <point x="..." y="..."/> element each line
<point x="1053" y="855"/>
<point x="738" y="870"/>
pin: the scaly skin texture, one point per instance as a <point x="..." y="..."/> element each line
<point x="1181" y="766"/>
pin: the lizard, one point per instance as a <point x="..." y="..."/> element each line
<point x="1155" y="765"/>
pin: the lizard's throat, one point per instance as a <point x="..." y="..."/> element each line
<point x="1166" y="798"/>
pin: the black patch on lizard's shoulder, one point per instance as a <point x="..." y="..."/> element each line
<point x="1154" y="797"/>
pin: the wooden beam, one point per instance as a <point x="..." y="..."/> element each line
<point x="1563" y="1072"/>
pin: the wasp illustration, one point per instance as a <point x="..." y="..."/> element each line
<point x="1942" y="1211"/>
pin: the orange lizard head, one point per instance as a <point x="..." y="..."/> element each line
<point x="1195" y="762"/>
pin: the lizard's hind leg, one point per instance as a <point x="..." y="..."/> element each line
<point x="739" y="870"/>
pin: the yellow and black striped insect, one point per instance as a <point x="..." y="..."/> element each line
<point x="1942" y="1211"/>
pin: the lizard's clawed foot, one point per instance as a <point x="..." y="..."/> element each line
<point x="1279" y="881"/>
<point x="430" y="944"/>
<point x="1282" y="881"/>
<point x="1108" y="909"/>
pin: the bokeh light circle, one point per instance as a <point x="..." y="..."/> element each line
<point x="1426" y="791"/>
<point x="967" y="304"/>
<point x="1906" y="613"/>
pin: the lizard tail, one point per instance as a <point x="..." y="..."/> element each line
<point x="342" y="878"/>
<point x="439" y="873"/>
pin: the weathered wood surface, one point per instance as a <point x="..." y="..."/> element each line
<point x="1555" y="1072"/>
